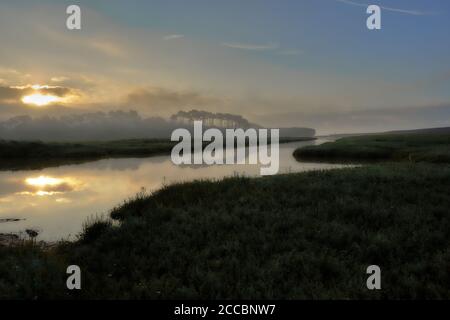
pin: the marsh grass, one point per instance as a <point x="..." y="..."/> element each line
<point x="413" y="147"/>
<point x="296" y="236"/>
<point x="93" y="227"/>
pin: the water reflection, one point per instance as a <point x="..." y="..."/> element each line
<point x="49" y="186"/>
<point x="58" y="200"/>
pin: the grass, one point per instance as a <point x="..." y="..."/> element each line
<point x="298" y="236"/>
<point x="414" y="147"/>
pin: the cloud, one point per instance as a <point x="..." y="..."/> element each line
<point x="109" y="48"/>
<point x="403" y="11"/>
<point x="10" y="95"/>
<point x="165" y="101"/>
<point x="13" y="94"/>
<point x="59" y="79"/>
<point x="55" y="90"/>
<point x="195" y="73"/>
<point x="9" y="75"/>
<point x="173" y="36"/>
<point x="248" y="46"/>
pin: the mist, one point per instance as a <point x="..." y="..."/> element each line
<point x="117" y="125"/>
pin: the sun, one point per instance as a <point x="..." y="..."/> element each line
<point x="40" y="100"/>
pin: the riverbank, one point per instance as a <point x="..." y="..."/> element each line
<point x="15" y="155"/>
<point x="21" y="155"/>
<point x="412" y="147"/>
<point x="298" y="236"/>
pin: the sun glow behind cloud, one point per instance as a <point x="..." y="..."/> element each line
<point x="293" y="80"/>
<point x="40" y="100"/>
<point x="43" y="95"/>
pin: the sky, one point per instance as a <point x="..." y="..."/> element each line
<point x="279" y="63"/>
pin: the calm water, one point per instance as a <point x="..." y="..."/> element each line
<point x="57" y="201"/>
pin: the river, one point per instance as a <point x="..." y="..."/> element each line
<point x="58" y="200"/>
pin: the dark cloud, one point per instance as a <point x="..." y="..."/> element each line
<point x="13" y="94"/>
<point x="57" y="91"/>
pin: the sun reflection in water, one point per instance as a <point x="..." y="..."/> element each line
<point x="48" y="186"/>
<point x="43" y="181"/>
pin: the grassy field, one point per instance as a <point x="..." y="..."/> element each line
<point x="413" y="147"/>
<point x="297" y="236"/>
